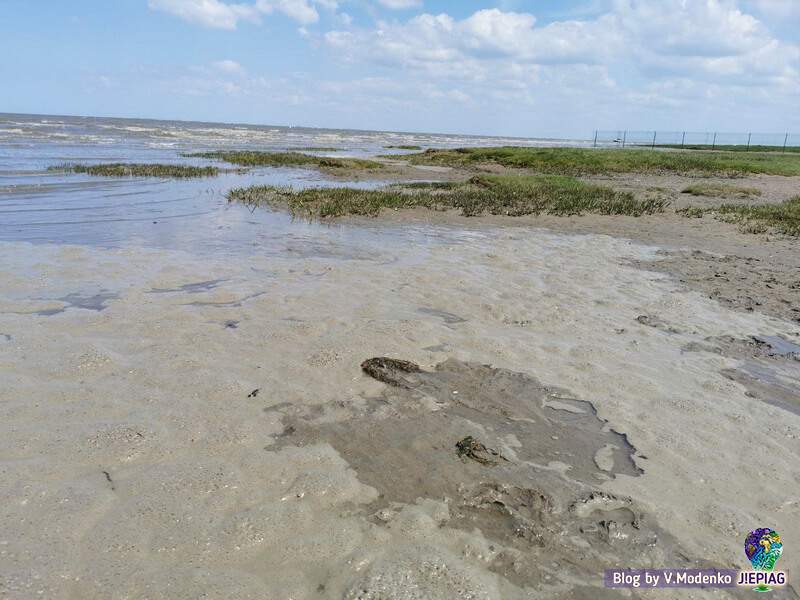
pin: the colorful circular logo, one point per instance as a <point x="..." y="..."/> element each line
<point x="763" y="547"/>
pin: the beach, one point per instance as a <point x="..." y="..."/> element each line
<point x="187" y="411"/>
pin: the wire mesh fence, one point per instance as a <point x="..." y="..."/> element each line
<point x="706" y="140"/>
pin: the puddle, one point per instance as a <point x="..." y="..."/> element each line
<point x="232" y="303"/>
<point x="190" y="288"/>
<point x="777" y="345"/>
<point x="768" y="367"/>
<point x="439" y="348"/>
<point x="766" y="384"/>
<point x="96" y="302"/>
<point x="510" y="456"/>
<point x="755" y="346"/>
<point x="448" y="318"/>
<point x="4" y="337"/>
<point x="565" y="406"/>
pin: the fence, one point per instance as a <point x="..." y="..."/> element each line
<point x="780" y="142"/>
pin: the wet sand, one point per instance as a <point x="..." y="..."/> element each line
<point x="750" y="273"/>
<point x="175" y="425"/>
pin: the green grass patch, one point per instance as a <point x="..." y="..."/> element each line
<point x="321" y="149"/>
<point x="287" y="159"/>
<point x="721" y="190"/>
<point x="692" y="212"/>
<point x="602" y="161"/>
<point x="730" y="148"/>
<point x="430" y="185"/>
<point x="405" y="147"/>
<point x="783" y="218"/>
<point x="514" y="195"/>
<point x="134" y="170"/>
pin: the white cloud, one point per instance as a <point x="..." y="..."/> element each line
<point x="712" y="40"/>
<point x="639" y="63"/>
<point x="220" y="15"/>
<point x="444" y="46"/>
<point x="230" y="67"/>
<point x="711" y="28"/>
<point x="299" y="10"/>
<point x="704" y="38"/>
<point x="400" y="4"/>
<point x="206" y="13"/>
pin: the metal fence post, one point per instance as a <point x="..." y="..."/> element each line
<point x="638" y="139"/>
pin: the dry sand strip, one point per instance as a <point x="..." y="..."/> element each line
<point x="138" y="460"/>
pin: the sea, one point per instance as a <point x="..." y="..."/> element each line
<point x="48" y="206"/>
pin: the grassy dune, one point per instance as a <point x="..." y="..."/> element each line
<point x="287" y="159"/>
<point x="580" y="161"/>
<point x="135" y="170"/>
<point x="494" y="194"/>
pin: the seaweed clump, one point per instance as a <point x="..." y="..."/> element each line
<point x="471" y="448"/>
<point x="381" y="368"/>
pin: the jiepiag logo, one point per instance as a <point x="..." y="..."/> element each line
<point x="763" y="547"/>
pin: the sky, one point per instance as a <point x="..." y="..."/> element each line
<point x="542" y="68"/>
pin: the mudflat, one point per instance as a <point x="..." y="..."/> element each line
<point x="418" y="405"/>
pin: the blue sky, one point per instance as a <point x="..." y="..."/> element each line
<point x="508" y="67"/>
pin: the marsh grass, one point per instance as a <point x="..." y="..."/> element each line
<point x="730" y="148"/>
<point x="587" y="161"/>
<point x="660" y="190"/>
<point x="782" y="218"/>
<point x="692" y="212"/>
<point x="405" y="147"/>
<point x="720" y="190"/>
<point x="430" y="185"/>
<point x="321" y="149"/>
<point x="287" y="159"/>
<point x="515" y="195"/>
<point x="136" y="170"/>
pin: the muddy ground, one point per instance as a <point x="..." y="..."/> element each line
<point x="747" y="272"/>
